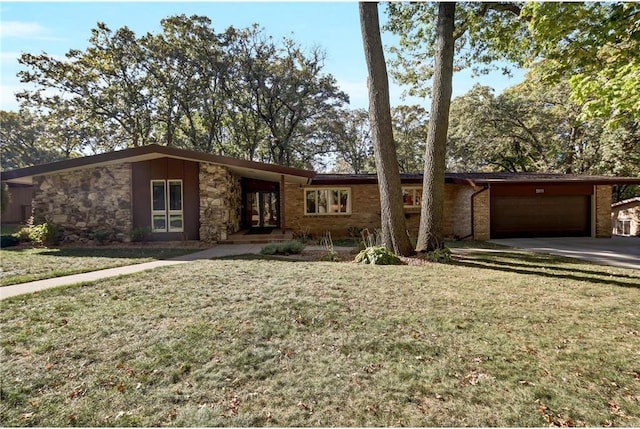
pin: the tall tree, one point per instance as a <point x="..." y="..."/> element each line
<point x="394" y="230"/>
<point x="430" y="233"/>
<point x="234" y="93"/>
<point x="596" y="46"/>
<point x="353" y="147"/>
<point x="410" y="127"/>
<point x="479" y="32"/>
<point x="22" y="142"/>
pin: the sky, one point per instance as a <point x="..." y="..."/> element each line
<point x="57" y="27"/>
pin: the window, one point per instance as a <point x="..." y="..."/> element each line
<point x="327" y="201"/>
<point x="166" y="206"/>
<point x="412" y="197"/>
<point x="624" y="227"/>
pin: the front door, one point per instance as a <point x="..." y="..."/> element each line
<point x="262" y="209"/>
<point x="261" y="203"/>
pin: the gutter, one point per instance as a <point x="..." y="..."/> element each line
<point x="473" y="197"/>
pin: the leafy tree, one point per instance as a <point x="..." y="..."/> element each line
<point x="410" y="126"/>
<point x="394" y="230"/>
<point x="353" y="146"/>
<point x="596" y="45"/>
<point x="284" y="87"/>
<point x="235" y="93"/>
<point x="22" y="142"/>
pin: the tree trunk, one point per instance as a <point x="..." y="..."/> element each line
<point x="394" y="228"/>
<point x="430" y="235"/>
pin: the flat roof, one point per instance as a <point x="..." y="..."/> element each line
<point x="475" y="179"/>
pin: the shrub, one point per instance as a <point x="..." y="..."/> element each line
<point x="45" y="234"/>
<point x="286" y="248"/>
<point x="102" y="236"/>
<point x="140" y="233"/>
<point x="439" y="255"/>
<point x="9" y="240"/>
<point x="23" y="234"/>
<point x="377" y="255"/>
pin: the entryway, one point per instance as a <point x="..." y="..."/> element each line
<point x="261" y="205"/>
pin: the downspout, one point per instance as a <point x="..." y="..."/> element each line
<point x="473" y="197"/>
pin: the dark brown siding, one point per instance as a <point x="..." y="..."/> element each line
<point x="164" y="169"/>
<point x="540" y="216"/>
<point x="541" y="189"/>
<point x="19" y="207"/>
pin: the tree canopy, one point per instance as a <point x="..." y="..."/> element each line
<point x="237" y="93"/>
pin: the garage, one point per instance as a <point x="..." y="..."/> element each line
<point x="540" y="211"/>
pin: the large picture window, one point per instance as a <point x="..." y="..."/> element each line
<point x="412" y="196"/>
<point x="327" y="201"/>
<point x="166" y="206"/>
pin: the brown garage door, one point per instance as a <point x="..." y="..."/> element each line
<point x="540" y="216"/>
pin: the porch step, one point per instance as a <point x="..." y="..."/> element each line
<point x="242" y="238"/>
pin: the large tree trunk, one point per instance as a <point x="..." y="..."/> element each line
<point x="394" y="228"/>
<point x="430" y="235"/>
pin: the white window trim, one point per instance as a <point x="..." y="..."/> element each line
<point x="413" y="189"/>
<point x="620" y="226"/>
<point x="339" y="190"/>
<point x="167" y="212"/>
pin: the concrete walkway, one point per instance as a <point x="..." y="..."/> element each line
<point x="214" y="252"/>
<point x="615" y="251"/>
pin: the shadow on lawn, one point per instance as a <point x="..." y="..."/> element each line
<point x="545" y="266"/>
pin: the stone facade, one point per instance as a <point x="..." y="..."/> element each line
<point x="220" y="202"/>
<point x="85" y="201"/>
<point x="602" y="211"/>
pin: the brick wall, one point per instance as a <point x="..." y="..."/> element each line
<point x="481" y="216"/>
<point x="85" y="201"/>
<point x="365" y="212"/>
<point x="602" y="211"/>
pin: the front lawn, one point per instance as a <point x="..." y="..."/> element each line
<point x="498" y="339"/>
<point x="30" y="264"/>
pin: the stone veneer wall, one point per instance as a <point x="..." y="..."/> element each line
<point x="602" y="211"/>
<point x="85" y="201"/>
<point x="220" y="202"/>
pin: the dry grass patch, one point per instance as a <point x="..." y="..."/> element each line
<point x="254" y="342"/>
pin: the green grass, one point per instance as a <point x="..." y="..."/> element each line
<point x="25" y="265"/>
<point x="497" y="339"/>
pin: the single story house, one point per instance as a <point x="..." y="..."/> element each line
<point x="178" y="194"/>
<point x="625" y="217"/>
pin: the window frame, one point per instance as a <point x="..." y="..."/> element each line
<point x="329" y="195"/>
<point x="167" y="212"/>
<point x="623" y="225"/>
<point x="414" y="190"/>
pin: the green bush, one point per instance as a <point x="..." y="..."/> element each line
<point x="23" y="234"/>
<point x="9" y="240"/>
<point x="439" y="255"/>
<point x="102" y="236"/>
<point x="377" y="255"/>
<point x="287" y="248"/>
<point x="45" y="234"/>
<point x="140" y="233"/>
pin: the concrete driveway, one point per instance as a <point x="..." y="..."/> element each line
<point x="616" y="251"/>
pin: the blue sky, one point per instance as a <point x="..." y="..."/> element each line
<point x="57" y="27"/>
